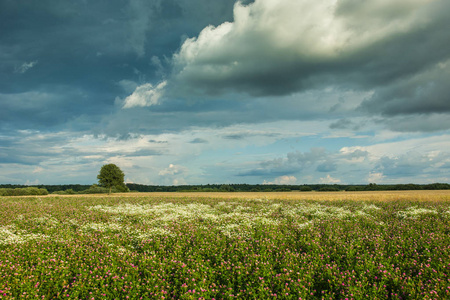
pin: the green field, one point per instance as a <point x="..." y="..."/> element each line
<point x="226" y="246"/>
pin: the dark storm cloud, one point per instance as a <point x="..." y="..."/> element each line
<point x="99" y="51"/>
<point x="366" y="50"/>
<point x="397" y="50"/>
<point x="417" y="122"/>
<point x="54" y="109"/>
<point x="423" y="93"/>
<point x="69" y="60"/>
<point x="344" y="124"/>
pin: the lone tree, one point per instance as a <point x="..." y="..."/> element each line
<point x="111" y="176"/>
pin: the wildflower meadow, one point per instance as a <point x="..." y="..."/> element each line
<point x="209" y="247"/>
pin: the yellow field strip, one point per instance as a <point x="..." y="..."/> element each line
<point x="442" y="195"/>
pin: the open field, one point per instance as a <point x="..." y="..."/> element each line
<point x="331" y="196"/>
<point x="343" y="245"/>
<point x="420" y="195"/>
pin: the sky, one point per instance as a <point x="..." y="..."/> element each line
<point x="197" y="91"/>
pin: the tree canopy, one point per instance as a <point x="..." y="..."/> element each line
<point x="111" y="176"/>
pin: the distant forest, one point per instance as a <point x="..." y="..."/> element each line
<point x="8" y="189"/>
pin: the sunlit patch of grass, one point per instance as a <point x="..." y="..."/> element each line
<point x="11" y="235"/>
<point x="414" y="211"/>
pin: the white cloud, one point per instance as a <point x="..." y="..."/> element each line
<point x="375" y="177"/>
<point x="288" y="180"/>
<point x="174" y="174"/>
<point x="419" y="144"/>
<point x="172" y="158"/>
<point x="179" y="181"/>
<point x="145" y="95"/>
<point x="329" y="180"/>
<point x="32" y="182"/>
<point x="25" y="67"/>
<point x="38" y="170"/>
<point x="121" y="162"/>
<point x="172" y="170"/>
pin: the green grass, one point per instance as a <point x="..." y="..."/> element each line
<point x="217" y="248"/>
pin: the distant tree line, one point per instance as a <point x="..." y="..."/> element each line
<point x="22" y="191"/>
<point x="66" y="189"/>
<point x="72" y="189"/>
<point x="284" y="188"/>
<point x="50" y="188"/>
